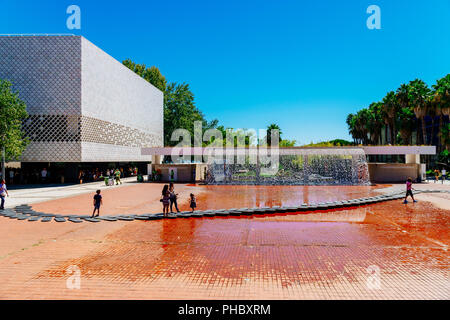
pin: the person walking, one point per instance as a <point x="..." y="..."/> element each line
<point x="165" y="200"/>
<point x="409" y="190"/>
<point x="117" y="174"/>
<point x="173" y="198"/>
<point x="98" y="201"/>
<point x="3" y="194"/>
<point x="444" y="175"/>
<point x="192" y="202"/>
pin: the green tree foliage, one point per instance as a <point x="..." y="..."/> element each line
<point x="152" y="74"/>
<point x="331" y="143"/>
<point x="419" y="97"/>
<point x="12" y="113"/>
<point x="275" y="129"/>
<point x="403" y="112"/>
<point x="180" y="111"/>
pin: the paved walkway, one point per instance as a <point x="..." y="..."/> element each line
<point x="381" y="251"/>
<point x="42" y="193"/>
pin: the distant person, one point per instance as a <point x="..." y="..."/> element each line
<point x="98" y="201"/>
<point x="44" y="175"/>
<point x="3" y="194"/>
<point x="436" y="175"/>
<point x="173" y="198"/>
<point x="192" y="202"/>
<point x="444" y="175"/>
<point x="117" y="175"/>
<point x="165" y="200"/>
<point x="409" y="190"/>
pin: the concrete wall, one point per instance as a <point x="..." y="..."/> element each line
<point x="393" y="172"/>
<point x="84" y="105"/>
<point x="121" y="111"/>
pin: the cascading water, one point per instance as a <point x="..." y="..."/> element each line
<point x="329" y="166"/>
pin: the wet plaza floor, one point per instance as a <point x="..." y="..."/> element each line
<point x="386" y="250"/>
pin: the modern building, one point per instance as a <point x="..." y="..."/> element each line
<point x="86" y="109"/>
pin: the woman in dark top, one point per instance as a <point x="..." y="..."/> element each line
<point x="165" y="200"/>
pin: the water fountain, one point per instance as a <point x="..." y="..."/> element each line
<point x="295" y="166"/>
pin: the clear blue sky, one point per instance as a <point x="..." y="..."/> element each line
<point x="301" y="64"/>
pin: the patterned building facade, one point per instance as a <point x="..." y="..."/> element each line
<point x="83" y="105"/>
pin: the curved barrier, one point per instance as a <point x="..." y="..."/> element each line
<point x="25" y="212"/>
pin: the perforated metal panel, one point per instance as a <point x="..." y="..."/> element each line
<point x="83" y="105"/>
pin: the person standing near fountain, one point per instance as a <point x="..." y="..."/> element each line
<point x="409" y="190"/>
<point x="165" y="199"/>
<point x="192" y="202"/>
<point x="173" y="198"/>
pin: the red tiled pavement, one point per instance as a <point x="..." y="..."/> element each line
<point x="322" y="255"/>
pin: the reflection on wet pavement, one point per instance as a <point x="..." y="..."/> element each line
<point x="320" y="255"/>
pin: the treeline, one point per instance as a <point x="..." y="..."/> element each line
<point x="403" y="112"/>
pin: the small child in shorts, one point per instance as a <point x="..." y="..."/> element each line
<point x="97" y="203"/>
<point x="193" y="202"/>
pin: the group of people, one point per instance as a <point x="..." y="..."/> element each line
<point x="19" y="176"/>
<point x="169" y="198"/>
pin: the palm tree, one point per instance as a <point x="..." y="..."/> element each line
<point x="406" y="124"/>
<point x="351" y="127"/>
<point x="390" y="108"/>
<point x="273" y="127"/>
<point x="376" y="121"/>
<point x="440" y="102"/>
<point x="362" y="125"/>
<point x="419" y="96"/>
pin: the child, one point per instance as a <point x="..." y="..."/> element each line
<point x="409" y="190"/>
<point x="193" y="202"/>
<point x="97" y="202"/>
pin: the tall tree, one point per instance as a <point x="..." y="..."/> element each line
<point x="375" y="121"/>
<point x="440" y="102"/>
<point x="152" y="74"/>
<point x="351" y="119"/>
<point x="406" y="123"/>
<point x="180" y="111"/>
<point x="390" y="107"/>
<point x="275" y="129"/>
<point x="12" y="113"/>
<point x="419" y="96"/>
